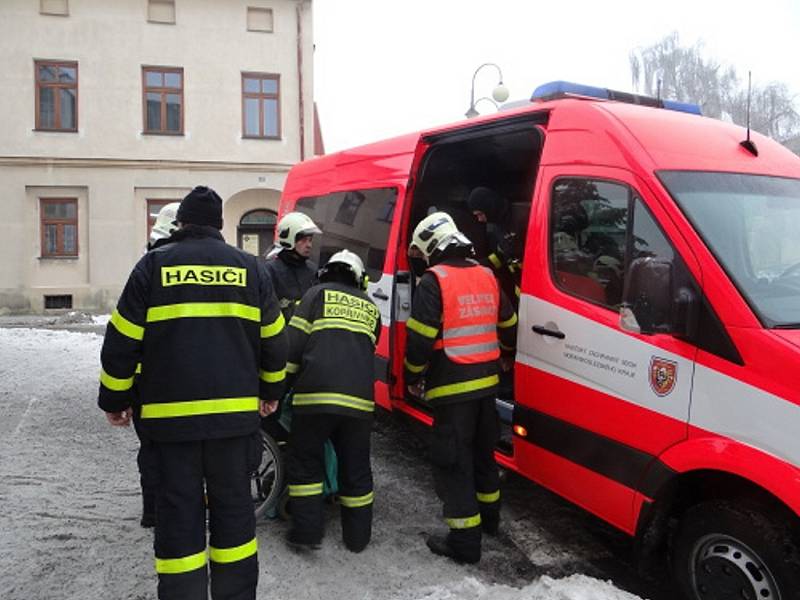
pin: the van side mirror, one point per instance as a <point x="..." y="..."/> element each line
<point x="651" y="303"/>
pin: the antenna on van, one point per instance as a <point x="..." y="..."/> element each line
<point x="748" y="144"/>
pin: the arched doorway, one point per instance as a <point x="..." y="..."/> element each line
<point x="256" y="231"/>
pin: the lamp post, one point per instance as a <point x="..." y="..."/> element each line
<point x="499" y="93"/>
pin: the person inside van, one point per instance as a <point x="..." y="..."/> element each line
<point x="490" y="210"/>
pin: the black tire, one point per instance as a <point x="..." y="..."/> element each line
<point x="724" y="550"/>
<point x="267" y="481"/>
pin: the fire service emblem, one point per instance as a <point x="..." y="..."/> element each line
<point x="663" y="374"/>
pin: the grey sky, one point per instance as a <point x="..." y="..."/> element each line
<point x="386" y="68"/>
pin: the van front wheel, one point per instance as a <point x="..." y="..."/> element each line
<point x="724" y="550"/>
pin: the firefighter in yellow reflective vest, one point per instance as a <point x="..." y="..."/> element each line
<point x="203" y="320"/>
<point x="332" y="338"/>
<point x="459" y="323"/>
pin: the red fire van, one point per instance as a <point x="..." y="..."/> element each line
<point x="657" y="374"/>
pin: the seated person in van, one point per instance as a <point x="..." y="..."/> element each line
<point x="490" y="210"/>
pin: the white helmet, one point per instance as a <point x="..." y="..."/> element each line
<point x="165" y="222"/>
<point x="293" y="226"/>
<point x="436" y="232"/>
<point x="352" y="262"/>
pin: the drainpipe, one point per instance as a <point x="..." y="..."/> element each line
<point x="301" y="104"/>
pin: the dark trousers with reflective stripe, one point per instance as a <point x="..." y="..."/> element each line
<point x="224" y="466"/>
<point x="462" y="452"/>
<point x="306" y="465"/>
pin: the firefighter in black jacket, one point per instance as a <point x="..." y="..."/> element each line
<point x="291" y="270"/>
<point x="202" y="318"/>
<point x="456" y="317"/>
<point x="332" y="338"/>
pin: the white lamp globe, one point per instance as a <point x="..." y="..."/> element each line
<point x="500" y="93"/>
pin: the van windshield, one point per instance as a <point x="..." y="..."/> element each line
<point x="751" y="223"/>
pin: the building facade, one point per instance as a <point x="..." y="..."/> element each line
<point x="113" y="109"/>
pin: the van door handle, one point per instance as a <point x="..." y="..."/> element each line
<point x="379" y="295"/>
<point x="551" y="332"/>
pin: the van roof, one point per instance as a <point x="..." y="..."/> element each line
<point x="585" y="130"/>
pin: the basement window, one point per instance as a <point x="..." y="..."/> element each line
<point x="62" y="301"/>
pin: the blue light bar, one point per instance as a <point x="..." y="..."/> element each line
<point x="564" y="89"/>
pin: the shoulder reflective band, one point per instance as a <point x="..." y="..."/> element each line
<point x="115" y="384"/>
<point x="412" y="367"/>
<point x="203" y="309"/>
<point x="307" y="489"/>
<point x="489" y="498"/>
<point x="421" y="328"/>
<point x="172" y="566"/>
<point x="191" y="408"/>
<point x="125" y="327"/>
<point x="292" y="367"/>
<point x="462" y="387"/>
<point x="356" y="501"/>
<point x="203" y="275"/>
<point x="510" y="322"/>
<point x="300" y="323"/>
<point x="344" y="400"/>
<point x="274" y="328"/>
<point x="229" y="555"/>
<point x="272" y="376"/>
<point x="353" y="326"/>
<point x="464" y="523"/>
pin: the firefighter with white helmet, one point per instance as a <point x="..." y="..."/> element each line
<point x="165" y="225"/>
<point x="332" y="338"/>
<point x="288" y="264"/>
<point x="460" y="324"/>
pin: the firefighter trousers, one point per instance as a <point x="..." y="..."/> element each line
<point x="191" y="474"/>
<point x="306" y="469"/>
<point x="465" y="472"/>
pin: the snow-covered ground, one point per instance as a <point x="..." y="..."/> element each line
<point x="69" y="524"/>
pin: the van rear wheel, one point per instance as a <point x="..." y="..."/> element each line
<point x="723" y="550"/>
<point x="267" y="481"/>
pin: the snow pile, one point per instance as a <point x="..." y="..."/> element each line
<point x="574" y="587"/>
<point x="100" y="319"/>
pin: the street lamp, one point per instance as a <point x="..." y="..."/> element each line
<point x="499" y="93"/>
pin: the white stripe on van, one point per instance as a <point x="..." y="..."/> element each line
<point x="614" y="363"/>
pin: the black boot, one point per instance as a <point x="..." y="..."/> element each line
<point x="490" y="522"/>
<point x="301" y="542"/>
<point x="438" y="545"/>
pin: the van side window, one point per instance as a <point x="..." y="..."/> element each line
<point x="588" y="231"/>
<point x="355" y="220"/>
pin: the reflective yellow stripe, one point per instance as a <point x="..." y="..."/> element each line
<point x="356" y="501"/>
<point x="464" y="523"/>
<point x="336" y="399"/>
<point x="203" y="309"/>
<point x="495" y="260"/>
<point x="138" y="368"/>
<point x="510" y="322"/>
<point x="300" y="323"/>
<point x="517" y="291"/>
<point x="421" y="328"/>
<point x="273" y="328"/>
<point x="489" y="498"/>
<point x="413" y="368"/>
<point x="171" y="566"/>
<point x="191" y="408"/>
<point x="462" y="387"/>
<point x="292" y="367"/>
<point x="229" y="555"/>
<point x="115" y="384"/>
<point x="125" y="327"/>
<point x="321" y="324"/>
<point x="308" y="489"/>
<point x="272" y="376"/>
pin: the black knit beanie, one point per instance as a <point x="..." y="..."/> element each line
<point x="201" y="206"/>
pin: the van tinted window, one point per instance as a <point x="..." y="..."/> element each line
<point x="588" y="227"/>
<point x="356" y="220"/>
